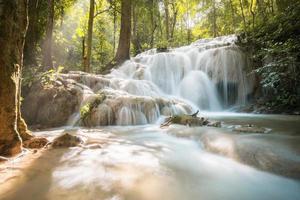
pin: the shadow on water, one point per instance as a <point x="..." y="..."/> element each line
<point x="37" y="178"/>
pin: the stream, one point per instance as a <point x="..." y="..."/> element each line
<point x="149" y="163"/>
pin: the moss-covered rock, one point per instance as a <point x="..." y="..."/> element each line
<point x="189" y="120"/>
<point x="87" y="109"/>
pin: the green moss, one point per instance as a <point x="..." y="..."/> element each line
<point x="274" y="46"/>
<point x="86" y="109"/>
<point x="186" y="120"/>
<point x="177" y="119"/>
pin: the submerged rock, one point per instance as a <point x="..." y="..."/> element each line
<point x="35" y="143"/>
<point x="215" y="124"/>
<point x="66" y="140"/>
<point x="3" y="159"/>
<point x="250" y="129"/>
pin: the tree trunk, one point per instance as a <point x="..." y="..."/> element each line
<point x="83" y="54"/>
<point x="87" y="67"/>
<point x="167" y="19"/>
<point x="189" y="38"/>
<point x="243" y="14"/>
<point x="175" y="12"/>
<point x="115" y="30"/>
<point x="47" y="49"/>
<point x="187" y="23"/>
<point x="159" y="20"/>
<point x="271" y="4"/>
<point x="31" y="36"/>
<point x="123" y="52"/>
<point x="261" y="7"/>
<point x="135" y="37"/>
<point x="214" y="19"/>
<point x="232" y="15"/>
<point x="153" y="25"/>
<point x="252" y="13"/>
<point x="13" y="26"/>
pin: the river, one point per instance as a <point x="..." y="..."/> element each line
<point x="149" y="163"/>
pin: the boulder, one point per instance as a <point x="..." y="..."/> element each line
<point x="66" y="140"/>
<point x="49" y="106"/>
<point x="35" y="143"/>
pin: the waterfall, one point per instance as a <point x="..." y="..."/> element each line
<point x="209" y="75"/>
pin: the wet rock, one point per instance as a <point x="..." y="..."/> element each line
<point x="36" y="127"/>
<point x="49" y="106"/>
<point x="216" y="124"/>
<point x="260" y="106"/>
<point x="10" y="148"/>
<point x="190" y="120"/>
<point x="162" y="49"/>
<point x="3" y="159"/>
<point x="93" y="146"/>
<point x="35" y="143"/>
<point x="101" y="115"/>
<point x="250" y="129"/>
<point x="89" y="109"/>
<point x="126" y="102"/>
<point x="66" y="140"/>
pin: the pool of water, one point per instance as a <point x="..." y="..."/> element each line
<point x="150" y="163"/>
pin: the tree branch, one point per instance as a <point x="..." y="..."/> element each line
<point x="102" y="11"/>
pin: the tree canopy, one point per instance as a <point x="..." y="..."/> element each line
<point x="154" y="23"/>
<point x="96" y="35"/>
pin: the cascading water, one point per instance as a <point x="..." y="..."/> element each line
<point x="209" y="75"/>
<point x="202" y="94"/>
<point x="148" y="162"/>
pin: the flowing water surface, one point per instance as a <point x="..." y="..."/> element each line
<point x="150" y="163"/>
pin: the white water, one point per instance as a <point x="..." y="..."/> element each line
<point x="177" y="72"/>
<point x="208" y="75"/>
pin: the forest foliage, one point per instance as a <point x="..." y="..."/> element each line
<point x="269" y="27"/>
<point x="275" y="48"/>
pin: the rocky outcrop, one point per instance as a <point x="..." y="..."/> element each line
<point x="49" y="106"/>
<point x="100" y="100"/>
